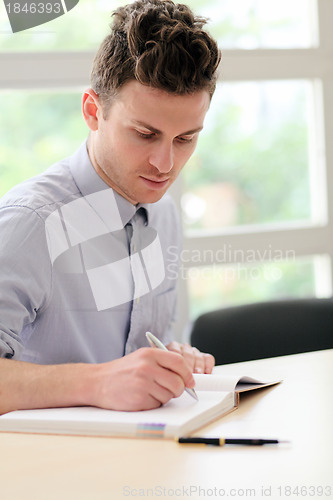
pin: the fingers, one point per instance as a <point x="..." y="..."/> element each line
<point x="168" y="387"/>
<point x="199" y="362"/>
<point x="161" y="376"/>
<point x="209" y="362"/>
<point x="177" y="365"/>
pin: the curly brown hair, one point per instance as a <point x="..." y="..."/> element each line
<point x="160" y="44"/>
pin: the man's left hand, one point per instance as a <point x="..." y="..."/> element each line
<point x="199" y="362"/>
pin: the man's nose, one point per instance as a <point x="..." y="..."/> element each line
<point x="162" y="157"/>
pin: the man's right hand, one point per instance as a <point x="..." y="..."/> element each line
<point x="142" y="380"/>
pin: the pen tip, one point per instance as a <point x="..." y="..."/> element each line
<point x="193" y="394"/>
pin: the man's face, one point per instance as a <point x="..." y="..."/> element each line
<point x="146" y="140"/>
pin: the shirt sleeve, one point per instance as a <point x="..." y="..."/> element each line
<point x="25" y="275"/>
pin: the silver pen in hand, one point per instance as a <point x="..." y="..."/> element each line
<point x="155" y="342"/>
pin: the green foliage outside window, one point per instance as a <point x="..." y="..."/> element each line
<point x="268" y="165"/>
<point x="36" y="130"/>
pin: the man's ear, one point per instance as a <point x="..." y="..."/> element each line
<point x="91" y="109"/>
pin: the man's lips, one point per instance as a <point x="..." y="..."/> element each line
<point x="154" y="183"/>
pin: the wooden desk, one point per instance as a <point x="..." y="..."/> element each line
<point x="41" y="467"/>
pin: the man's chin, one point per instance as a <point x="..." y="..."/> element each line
<point x="152" y="197"/>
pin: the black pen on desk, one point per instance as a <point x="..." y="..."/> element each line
<point x="224" y="441"/>
<point x="155" y="342"/>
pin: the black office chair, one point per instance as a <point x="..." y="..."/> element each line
<point x="265" y="329"/>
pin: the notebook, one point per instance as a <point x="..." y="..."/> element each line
<point x="218" y="395"/>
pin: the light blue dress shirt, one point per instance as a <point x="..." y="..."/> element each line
<point x="83" y="272"/>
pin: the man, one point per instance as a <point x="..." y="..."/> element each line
<point x="84" y="246"/>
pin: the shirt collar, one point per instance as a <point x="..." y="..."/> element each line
<point x="89" y="182"/>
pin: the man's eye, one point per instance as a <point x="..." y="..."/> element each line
<point x="186" y="138"/>
<point x="145" y="136"/>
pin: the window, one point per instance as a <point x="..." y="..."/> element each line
<point x="254" y="198"/>
<point x="252" y="165"/>
<point x="37" y="129"/>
